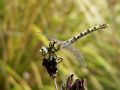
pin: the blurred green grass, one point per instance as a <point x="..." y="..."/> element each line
<point x="25" y="26"/>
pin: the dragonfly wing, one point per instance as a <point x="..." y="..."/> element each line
<point x="77" y="53"/>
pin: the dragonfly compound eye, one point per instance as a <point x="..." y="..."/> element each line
<point x="43" y="51"/>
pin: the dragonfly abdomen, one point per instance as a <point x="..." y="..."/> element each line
<point x="88" y="31"/>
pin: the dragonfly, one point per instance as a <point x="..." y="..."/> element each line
<point x="56" y="45"/>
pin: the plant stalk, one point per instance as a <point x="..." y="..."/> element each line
<point x="55" y="83"/>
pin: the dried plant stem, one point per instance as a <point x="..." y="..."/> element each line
<point x="55" y="83"/>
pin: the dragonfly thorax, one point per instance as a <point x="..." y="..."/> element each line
<point x="51" y="50"/>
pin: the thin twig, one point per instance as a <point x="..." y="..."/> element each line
<point x="55" y="83"/>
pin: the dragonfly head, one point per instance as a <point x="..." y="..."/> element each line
<point x="53" y="42"/>
<point x="43" y="51"/>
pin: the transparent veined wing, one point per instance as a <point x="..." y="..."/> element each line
<point x="78" y="54"/>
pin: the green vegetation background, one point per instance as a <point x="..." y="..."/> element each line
<point x="26" y="25"/>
